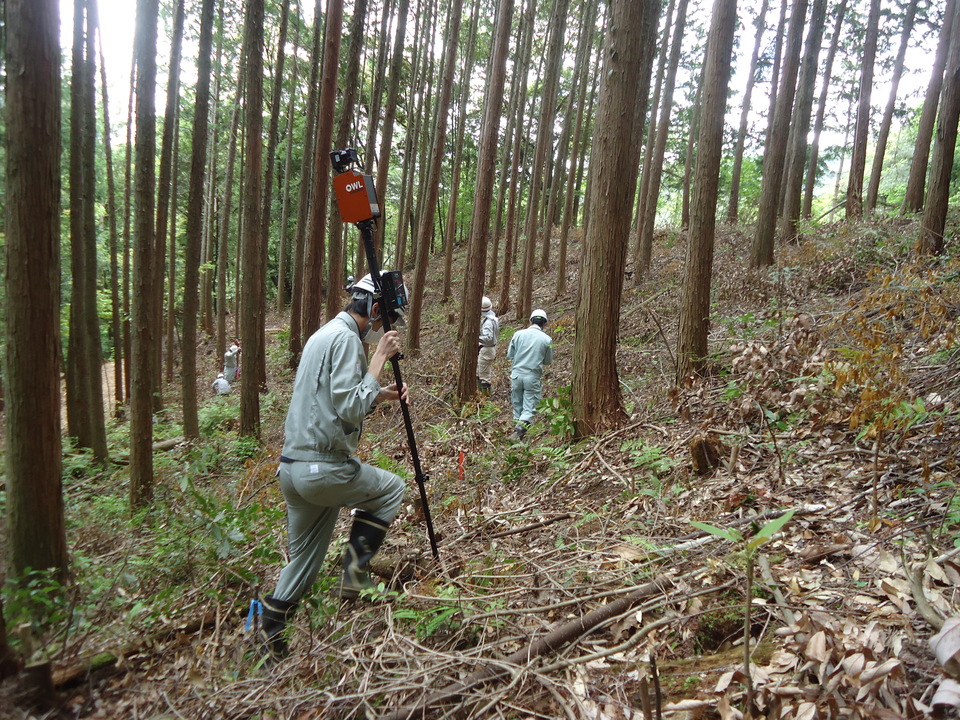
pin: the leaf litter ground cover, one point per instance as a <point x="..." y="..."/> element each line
<point x="832" y="392"/>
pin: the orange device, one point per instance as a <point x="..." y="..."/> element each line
<point x="356" y="196"/>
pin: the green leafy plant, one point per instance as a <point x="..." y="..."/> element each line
<point x="558" y="413"/>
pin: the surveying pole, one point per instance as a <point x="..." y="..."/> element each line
<point x="357" y="202"/>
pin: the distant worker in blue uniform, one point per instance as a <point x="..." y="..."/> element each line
<point x="530" y="350"/>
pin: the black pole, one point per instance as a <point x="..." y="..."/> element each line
<point x="366" y="232"/>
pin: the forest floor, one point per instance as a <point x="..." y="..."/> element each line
<point x="818" y="455"/>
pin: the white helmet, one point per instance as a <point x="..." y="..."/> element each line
<point x="486" y="304"/>
<point x="538" y="314"/>
<point x="365" y="289"/>
<point x="219" y="375"/>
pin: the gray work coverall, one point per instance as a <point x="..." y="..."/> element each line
<point x="332" y="394"/>
<point x="489" y="335"/>
<point x="529" y="350"/>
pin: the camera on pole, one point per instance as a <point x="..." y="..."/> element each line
<point x="357" y="202"/>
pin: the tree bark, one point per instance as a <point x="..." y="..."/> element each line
<point x="811" y="181"/>
<point x="595" y="388"/>
<point x="801" y="119"/>
<point x="695" y="303"/>
<point x="429" y="204"/>
<point x="733" y="206"/>
<point x="306" y="183"/>
<point x="191" y="261"/>
<point x="390" y="115"/>
<point x="913" y="198"/>
<point x="660" y="144"/>
<point x="483" y="202"/>
<point x="167" y="170"/>
<point x="934" y="218"/>
<point x="858" y="158"/>
<point x="251" y="329"/>
<point x="142" y="331"/>
<point x="36" y="534"/>
<point x="873" y="189"/>
<point x="116" y="327"/>
<point x="548" y="103"/>
<point x="775" y="150"/>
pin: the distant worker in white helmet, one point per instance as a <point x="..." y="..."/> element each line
<point x="489" y="336"/>
<point x="529" y="350"/>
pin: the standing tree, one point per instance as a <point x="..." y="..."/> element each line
<point x="861" y="133"/>
<point x="253" y="272"/>
<point x="941" y="163"/>
<point x="733" y="207"/>
<point x="84" y="388"/>
<point x="913" y="197"/>
<point x="659" y="147"/>
<point x="797" y="151"/>
<point x="36" y="535"/>
<point x="695" y="305"/>
<point x="539" y="170"/>
<point x="483" y="201"/>
<point x="429" y="204"/>
<point x="811" y="179"/>
<point x="191" y="263"/>
<point x="143" y="334"/>
<point x="775" y="151"/>
<point x="873" y="189"/>
<point x="595" y="393"/>
<point x="315" y="250"/>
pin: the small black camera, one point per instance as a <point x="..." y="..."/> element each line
<point x="343" y="160"/>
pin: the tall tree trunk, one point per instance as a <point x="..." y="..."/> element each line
<point x="876" y="169"/>
<point x="163" y="197"/>
<point x="793" y="183"/>
<point x="934" y="217"/>
<point x="128" y="241"/>
<point x="191" y="261"/>
<point x="548" y="103"/>
<point x="913" y="197"/>
<point x="98" y="432"/>
<point x="733" y="206"/>
<point x="223" y="257"/>
<point x="692" y="136"/>
<point x="306" y="184"/>
<point x="695" y="304"/>
<point x="284" y="248"/>
<point x="811" y="180"/>
<point x="314" y="249"/>
<point x="595" y="388"/>
<point x="116" y="327"/>
<point x="36" y="534"/>
<point x="142" y="331"/>
<point x="172" y="259"/>
<point x="861" y="133"/>
<point x="660" y="144"/>
<point x="429" y="206"/>
<point x="519" y="76"/>
<point x="483" y="201"/>
<point x="390" y="115"/>
<point x="651" y="136"/>
<point x="584" y="56"/>
<point x="252" y="279"/>
<point x="775" y="150"/>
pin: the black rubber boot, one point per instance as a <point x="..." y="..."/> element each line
<point x="484" y="387"/>
<point x="276" y="614"/>
<point x="520" y="430"/>
<point x="366" y="537"/>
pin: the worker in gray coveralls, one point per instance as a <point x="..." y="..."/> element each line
<point x="333" y="392"/>
<point x="529" y="350"/>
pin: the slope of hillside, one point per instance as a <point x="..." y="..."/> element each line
<point x="573" y="582"/>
